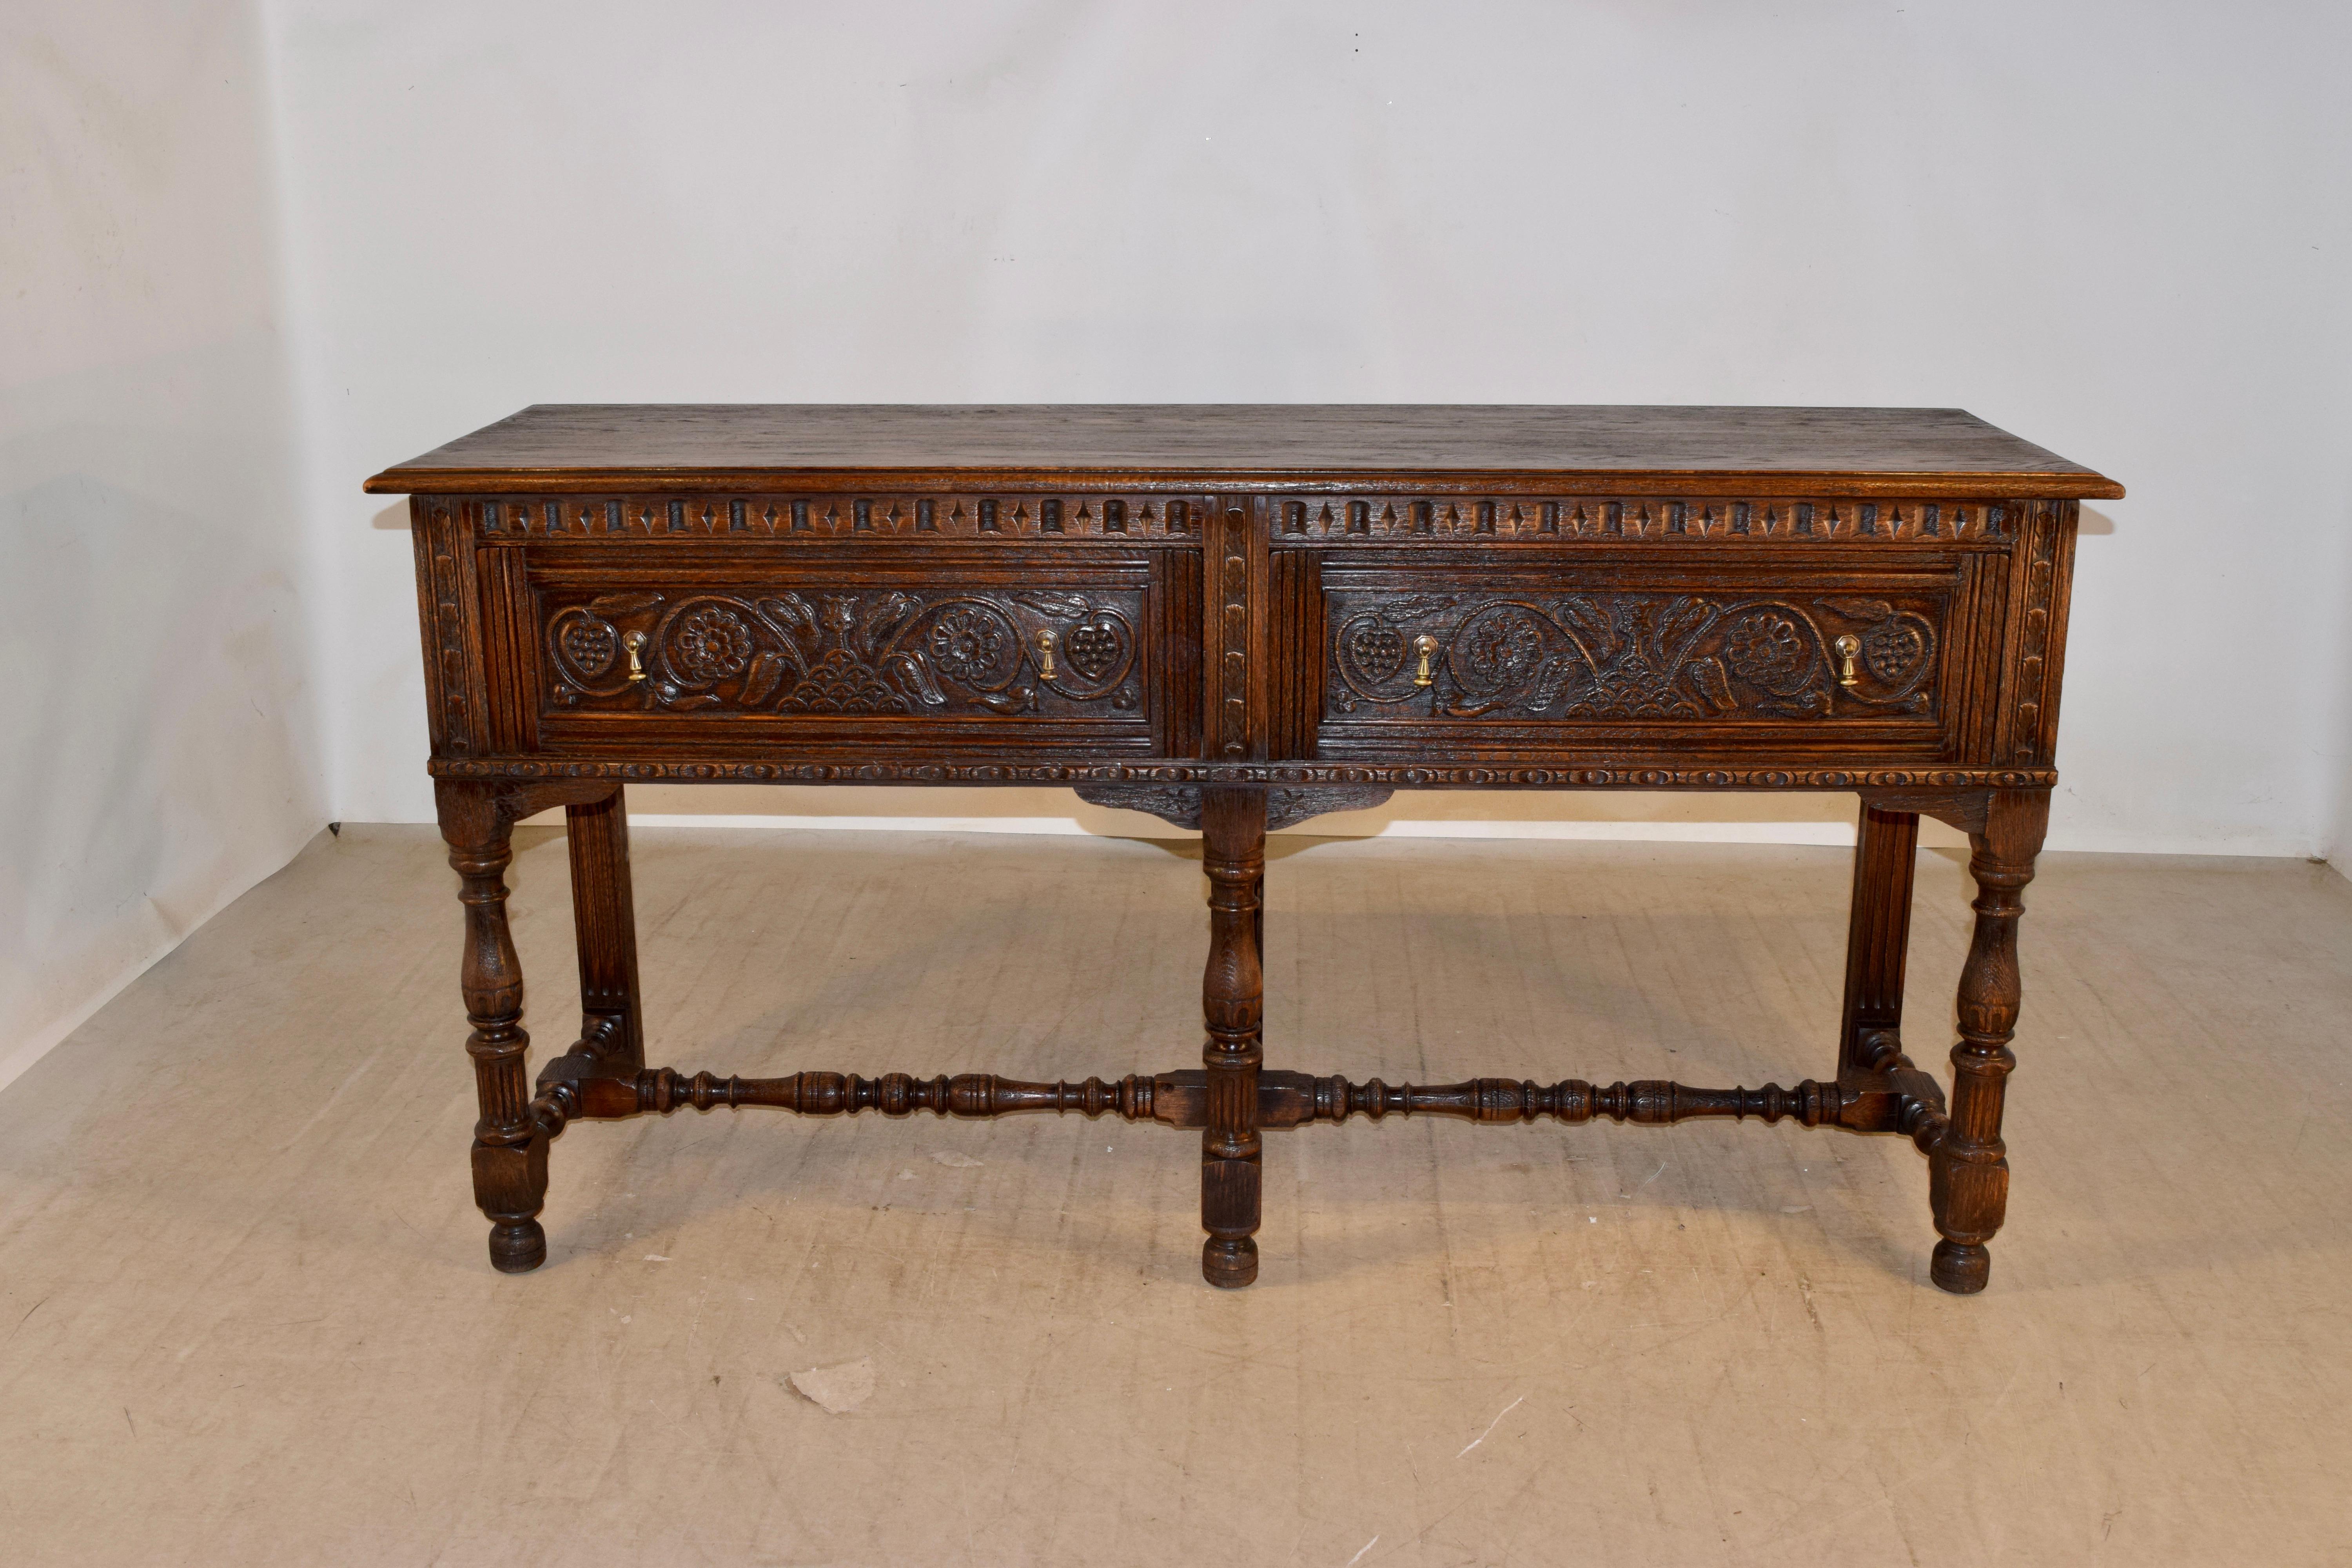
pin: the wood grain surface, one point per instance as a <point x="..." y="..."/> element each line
<point x="1502" y="448"/>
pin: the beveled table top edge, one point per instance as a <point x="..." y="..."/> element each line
<point x="1927" y="484"/>
<point x="1289" y="449"/>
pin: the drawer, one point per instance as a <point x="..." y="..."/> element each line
<point x="1663" y="658"/>
<point x="733" y="651"/>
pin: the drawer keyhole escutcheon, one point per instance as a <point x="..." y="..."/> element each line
<point x="1045" y="653"/>
<point x="1426" y="647"/>
<point x="1847" y="646"/>
<point x="635" y="644"/>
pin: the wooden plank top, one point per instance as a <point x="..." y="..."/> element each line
<point x="550" y="448"/>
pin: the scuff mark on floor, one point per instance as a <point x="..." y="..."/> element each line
<point x="1498" y="1421"/>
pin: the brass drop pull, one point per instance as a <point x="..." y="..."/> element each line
<point x="1045" y="653"/>
<point x="1426" y="647"/>
<point x="1847" y="646"/>
<point x="635" y="643"/>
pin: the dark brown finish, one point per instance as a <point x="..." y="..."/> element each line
<point x="1878" y="937"/>
<point x="1181" y="803"/>
<point x="566" y="448"/>
<point x="1232" y="991"/>
<point x="510" y="1152"/>
<point x="1968" y="1168"/>
<point x="575" y="1087"/>
<point x="605" y="924"/>
<point x="1237" y="618"/>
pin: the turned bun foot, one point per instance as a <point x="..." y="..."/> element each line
<point x="518" y="1248"/>
<point x="1229" y="1265"/>
<point x="1961" y="1268"/>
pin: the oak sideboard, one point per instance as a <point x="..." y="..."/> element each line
<point x="1236" y="617"/>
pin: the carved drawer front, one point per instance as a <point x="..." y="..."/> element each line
<point x="719" y="654"/>
<point x="1666" y="659"/>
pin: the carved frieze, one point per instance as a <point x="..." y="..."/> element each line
<point x="592" y="519"/>
<point x="1395" y="776"/>
<point x="1602" y="656"/>
<point x="1389" y="519"/>
<point x="845" y="652"/>
<point x="1339" y="520"/>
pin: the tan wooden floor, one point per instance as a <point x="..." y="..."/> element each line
<point x="245" y="1313"/>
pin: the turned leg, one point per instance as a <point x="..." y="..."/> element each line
<point x="1232" y="830"/>
<point x="509" y="1151"/>
<point x="1878" y="934"/>
<point x="611" y="1027"/>
<point x="1969" y="1167"/>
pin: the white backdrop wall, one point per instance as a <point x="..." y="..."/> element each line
<point x="2117" y="228"/>
<point x="156" y="714"/>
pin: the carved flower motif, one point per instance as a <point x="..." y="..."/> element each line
<point x="969" y="644"/>
<point x="710" y="642"/>
<point x="1500" y="649"/>
<point x="1767" y="650"/>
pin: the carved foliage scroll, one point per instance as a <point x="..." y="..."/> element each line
<point x="1285" y="807"/>
<point x="1598" y="655"/>
<point x="848" y="652"/>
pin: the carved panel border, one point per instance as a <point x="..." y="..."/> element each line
<point x="1230" y="637"/>
<point x="1320" y="520"/>
<point x="1602" y="519"/>
<point x="1126" y="519"/>
<point x="1400" y="775"/>
<point x="2031" y="720"/>
<point x="454" y="702"/>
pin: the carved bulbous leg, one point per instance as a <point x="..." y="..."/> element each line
<point x="1968" y="1170"/>
<point x="510" y="1150"/>
<point x="1233" y="827"/>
